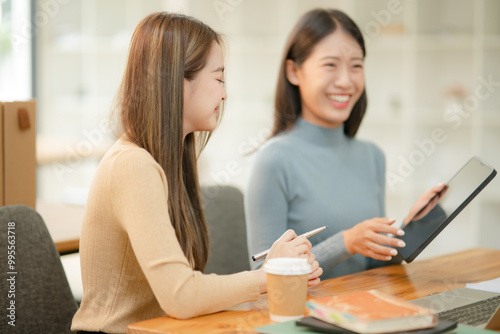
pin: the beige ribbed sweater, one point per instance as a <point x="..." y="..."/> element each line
<point x="133" y="267"/>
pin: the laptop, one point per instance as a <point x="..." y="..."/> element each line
<point x="462" y="188"/>
<point x="467" y="306"/>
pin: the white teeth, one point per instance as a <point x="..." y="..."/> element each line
<point x="339" y="98"/>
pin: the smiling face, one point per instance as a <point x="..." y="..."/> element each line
<point x="330" y="80"/>
<point x="203" y="95"/>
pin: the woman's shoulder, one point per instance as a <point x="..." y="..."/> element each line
<point x="275" y="149"/>
<point x="125" y="153"/>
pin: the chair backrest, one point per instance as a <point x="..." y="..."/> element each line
<point x="39" y="299"/>
<point x="225" y="216"/>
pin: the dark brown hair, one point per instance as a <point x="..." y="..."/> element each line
<point x="309" y="31"/>
<point x="166" y="49"/>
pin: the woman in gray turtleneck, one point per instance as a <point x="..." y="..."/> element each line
<point x="313" y="172"/>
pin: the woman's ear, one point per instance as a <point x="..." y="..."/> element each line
<point x="291" y="72"/>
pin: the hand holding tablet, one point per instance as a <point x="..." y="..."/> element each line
<point x="432" y="217"/>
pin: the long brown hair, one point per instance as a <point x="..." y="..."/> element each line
<point x="309" y="31"/>
<point x="166" y="49"/>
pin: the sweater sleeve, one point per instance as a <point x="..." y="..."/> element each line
<point x="331" y="251"/>
<point x="138" y="185"/>
<point x="266" y="204"/>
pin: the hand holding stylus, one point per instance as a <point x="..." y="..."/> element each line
<point x="264" y="253"/>
<point x="291" y="245"/>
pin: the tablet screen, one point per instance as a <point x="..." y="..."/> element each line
<point x="442" y="209"/>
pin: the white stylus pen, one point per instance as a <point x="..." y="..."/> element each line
<point x="263" y="254"/>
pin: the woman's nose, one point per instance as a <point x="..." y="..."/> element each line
<point x="343" y="79"/>
<point x="224" y="93"/>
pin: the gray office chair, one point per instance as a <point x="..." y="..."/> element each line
<point x="35" y="290"/>
<point x="225" y="216"/>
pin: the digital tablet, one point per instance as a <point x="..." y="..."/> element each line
<point x="444" y="207"/>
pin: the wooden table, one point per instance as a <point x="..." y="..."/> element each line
<point x="409" y="281"/>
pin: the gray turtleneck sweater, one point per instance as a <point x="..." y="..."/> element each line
<point x="309" y="177"/>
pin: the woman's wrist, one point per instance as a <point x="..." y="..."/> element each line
<point x="262" y="279"/>
<point x="347" y="240"/>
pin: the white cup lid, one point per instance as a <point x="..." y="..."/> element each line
<point x="288" y="266"/>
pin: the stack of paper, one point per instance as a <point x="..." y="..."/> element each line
<point x="491" y="285"/>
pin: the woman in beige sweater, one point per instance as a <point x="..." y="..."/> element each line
<point x="144" y="241"/>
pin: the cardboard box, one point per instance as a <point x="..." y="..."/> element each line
<point x="18" y="153"/>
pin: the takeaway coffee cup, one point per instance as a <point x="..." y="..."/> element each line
<point x="287" y="287"/>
